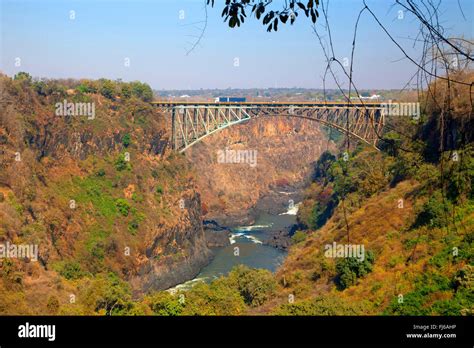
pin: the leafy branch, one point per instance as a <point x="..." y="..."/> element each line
<point x="234" y="12"/>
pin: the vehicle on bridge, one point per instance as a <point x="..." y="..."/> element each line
<point x="230" y="100"/>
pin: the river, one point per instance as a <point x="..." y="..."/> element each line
<point x="251" y="251"/>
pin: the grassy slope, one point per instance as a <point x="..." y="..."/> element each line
<point x="417" y="263"/>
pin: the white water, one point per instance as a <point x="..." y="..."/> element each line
<point x="233" y="237"/>
<point x="253" y="227"/>
<point x="293" y="210"/>
<point x="186" y="285"/>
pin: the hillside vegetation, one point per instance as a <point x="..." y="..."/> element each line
<point x="410" y="206"/>
<point x="112" y="210"/>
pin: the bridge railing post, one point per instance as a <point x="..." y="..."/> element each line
<point x="173" y="128"/>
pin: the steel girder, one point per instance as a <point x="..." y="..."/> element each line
<point x="192" y="123"/>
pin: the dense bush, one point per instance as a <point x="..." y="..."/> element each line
<point x="328" y="305"/>
<point x="417" y="302"/>
<point x="459" y="175"/>
<point x="122" y="164"/>
<point x="318" y="206"/>
<point x="322" y="211"/>
<point x="126" y="91"/>
<point x="123" y="206"/>
<point x="126" y="140"/>
<point x="322" y="167"/>
<point x="434" y="213"/>
<point x="114" y="295"/>
<point x="159" y="189"/>
<point x="23" y="76"/>
<point x="108" y="89"/>
<point x="142" y="91"/>
<point x="350" y="268"/>
<point x="298" y="237"/>
<point x="217" y="298"/>
<point x="71" y="270"/>
<point x="163" y="303"/>
<point x="255" y="285"/>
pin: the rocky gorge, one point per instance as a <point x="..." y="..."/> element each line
<point x="108" y="195"/>
<point x="236" y="194"/>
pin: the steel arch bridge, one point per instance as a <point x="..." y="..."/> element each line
<point x="193" y="121"/>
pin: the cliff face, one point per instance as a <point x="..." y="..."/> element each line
<point x="284" y="150"/>
<point x="185" y="245"/>
<point x="96" y="195"/>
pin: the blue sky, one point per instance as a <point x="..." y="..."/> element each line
<point x="155" y="39"/>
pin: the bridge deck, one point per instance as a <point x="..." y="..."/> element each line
<point x="271" y="104"/>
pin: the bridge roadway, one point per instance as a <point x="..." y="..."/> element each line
<point x="193" y="121"/>
<point x="165" y="103"/>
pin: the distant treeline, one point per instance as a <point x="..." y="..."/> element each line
<point x="296" y="92"/>
<point x="110" y="89"/>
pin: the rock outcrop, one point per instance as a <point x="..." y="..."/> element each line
<point x="216" y="235"/>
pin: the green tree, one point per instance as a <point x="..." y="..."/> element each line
<point x="434" y="213"/>
<point x="255" y="285"/>
<point x="142" y="91"/>
<point x="350" y="268"/>
<point x="217" y="298"/>
<point x="114" y="295"/>
<point x="108" y="89"/>
<point x="23" y="76"/>
<point x="40" y="87"/>
<point x="165" y="304"/>
<point x="126" y="91"/>
<point x="83" y="88"/>
<point x="126" y="140"/>
<point x="322" y="172"/>
<point x="71" y="270"/>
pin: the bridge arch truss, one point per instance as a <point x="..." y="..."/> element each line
<point x="192" y="123"/>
